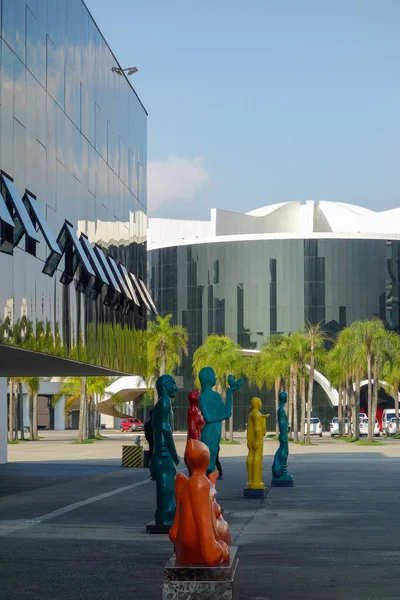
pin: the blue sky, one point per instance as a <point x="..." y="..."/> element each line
<point x="263" y="102"/>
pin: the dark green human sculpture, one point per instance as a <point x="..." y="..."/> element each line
<point x="280" y="476"/>
<point x="165" y="458"/>
<point x="214" y="411"/>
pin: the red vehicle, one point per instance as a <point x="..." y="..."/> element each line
<point x="131" y="424"/>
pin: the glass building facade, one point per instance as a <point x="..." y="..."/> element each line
<point x="249" y="289"/>
<point x="73" y="153"/>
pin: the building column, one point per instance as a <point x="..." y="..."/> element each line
<point x="59" y="414"/>
<point x="3" y="420"/>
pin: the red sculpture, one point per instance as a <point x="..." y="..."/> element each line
<point x="199" y="532"/>
<point x="195" y="422"/>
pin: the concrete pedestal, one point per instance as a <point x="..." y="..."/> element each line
<point x="154" y="527"/>
<point x="199" y="582"/>
<point x="254" y="494"/>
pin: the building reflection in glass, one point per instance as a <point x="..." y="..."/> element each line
<point x="73" y="135"/>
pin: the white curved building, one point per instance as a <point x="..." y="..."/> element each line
<point x="287" y="219"/>
<point x="274" y="268"/>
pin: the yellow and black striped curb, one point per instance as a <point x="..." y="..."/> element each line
<point x="132" y="456"/>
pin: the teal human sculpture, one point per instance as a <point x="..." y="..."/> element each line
<point x="214" y="411"/>
<point x="165" y="458"/>
<point x="280" y="476"/>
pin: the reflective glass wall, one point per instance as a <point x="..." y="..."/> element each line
<point x="247" y="290"/>
<point x="73" y="134"/>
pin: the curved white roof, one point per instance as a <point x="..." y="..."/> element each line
<point x="321" y="219"/>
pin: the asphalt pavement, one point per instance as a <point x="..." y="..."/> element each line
<point x="71" y="530"/>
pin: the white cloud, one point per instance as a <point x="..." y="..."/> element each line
<point x="175" y="180"/>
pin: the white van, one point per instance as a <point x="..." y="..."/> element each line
<point x="387" y="415"/>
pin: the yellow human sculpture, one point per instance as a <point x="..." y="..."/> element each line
<point x="256" y="430"/>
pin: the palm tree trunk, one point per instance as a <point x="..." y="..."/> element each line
<point x="295" y="423"/>
<point x="290" y="403"/>
<point x="15" y="409"/>
<point x="396" y="404"/>
<point x="353" y="403"/>
<point x="82" y="431"/>
<point x="21" y="411"/>
<point x="372" y="418"/>
<point x="11" y="411"/>
<point x="31" y="433"/>
<point x="340" y="411"/>
<point x="35" y="417"/>
<point x="303" y="406"/>
<point x="222" y="393"/>
<point x="96" y="414"/>
<point x="231" y="426"/>
<point x="369" y="372"/>
<point x="92" y="415"/>
<point x="310" y="391"/>
<point x="89" y="418"/>
<point x="356" y="428"/>
<point x="163" y="366"/>
<point x="277" y="390"/>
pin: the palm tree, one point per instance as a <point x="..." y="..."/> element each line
<point x="164" y="345"/>
<point x="74" y="388"/>
<point x="316" y="339"/>
<point x="85" y="389"/>
<point x="33" y="384"/>
<point x="391" y="374"/>
<point x="271" y="367"/>
<point x="298" y="354"/>
<point x="368" y="334"/>
<point x="339" y="370"/>
<point x="385" y="346"/>
<point x="221" y="353"/>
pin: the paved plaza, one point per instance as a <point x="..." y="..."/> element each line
<point x="72" y="523"/>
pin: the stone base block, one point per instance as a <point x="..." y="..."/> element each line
<point x="254" y="494"/>
<point x="199" y="582"/>
<point x="154" y="527"/>
<point x="282" y="482"/>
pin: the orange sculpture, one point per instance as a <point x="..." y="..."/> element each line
<point x="199" y="532"/>
<point x="195" y="421"/>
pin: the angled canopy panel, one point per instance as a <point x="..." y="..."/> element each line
<point x="119" y="277"/>
<point x="114" y="296"/>
<point x="6" y="229"/>
<point x="90" y="253"/>
<point x="34" y="209"/>
<point x="5" y="216"/>
<point x="22" y="222"/>
<point x="149" y="298"/>
<point x="75" y="256"/>
<point x="140" y="291"/>
<point x="107" y="269"/>
<point x="129" y="284"/>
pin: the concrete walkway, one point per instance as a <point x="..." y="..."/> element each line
<point x="77" y="531"/>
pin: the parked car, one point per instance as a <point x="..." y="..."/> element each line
<point x="315" y="426"/>
<point x="388" y="415"/>
<point x="132" y="424"/>
<point x="334" y="427"/>
<point x="391" y="427"/>
<point x="364" y="427"/>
